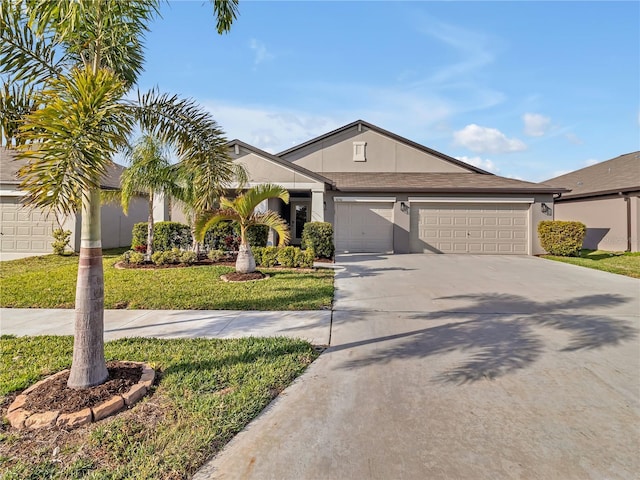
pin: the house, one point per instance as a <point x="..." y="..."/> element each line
<point x="27" y="231"/>
<point x="387" y="194"/>
<point x="606" y="198"/>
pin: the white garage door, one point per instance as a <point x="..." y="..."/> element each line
<point x="22" y="229"/>
<point x="364" y="227"/>
<point x="469" y="228"/>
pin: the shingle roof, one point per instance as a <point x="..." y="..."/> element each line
<point x="435" y="182"/>
<point x="620" y="174"/>
<point x="9" y="166"/>
<point x="389" y="134"/>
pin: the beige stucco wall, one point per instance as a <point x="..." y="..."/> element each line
<point x="606" y="220"/>
<point x="401" y="220"/>
<point x="383" y="154"/>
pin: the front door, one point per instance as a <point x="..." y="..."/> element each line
<point x="300" y="214"/>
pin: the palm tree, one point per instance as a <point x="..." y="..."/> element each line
<point x="82" y="58"/>
<point x="241" y="210"/>
<point x="150" y="172"/>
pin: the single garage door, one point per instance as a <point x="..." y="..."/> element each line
<point x="470" y="228"/>
<point x="22" y="229"/>
<point x="364" y="227"/>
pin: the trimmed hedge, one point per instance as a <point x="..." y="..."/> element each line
<point x="288" y="257"/>
<point x="318" y="236"/>
<point x="166" y="235"/>
<point x="226" y="236"/>
<point x="562" y="238"/>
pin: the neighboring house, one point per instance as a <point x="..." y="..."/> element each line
<point x="384" y="193"/>
<point x="25" y="231"/>
<point x="606" y="198"/>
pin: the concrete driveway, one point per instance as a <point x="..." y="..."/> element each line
<point x="460" y="367"/>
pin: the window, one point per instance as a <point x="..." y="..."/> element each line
<point x="359" y="151"/>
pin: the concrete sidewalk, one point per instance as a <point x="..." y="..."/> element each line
<point x="311" y="325"/>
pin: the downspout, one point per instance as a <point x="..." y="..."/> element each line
<point x="627" y="200"/>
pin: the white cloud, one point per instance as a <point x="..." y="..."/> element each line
<point x="558" y="173"/>
<point x="483" y="163"/>
<point x="573" y="138"/>
<point x="260" y="51"/>
<point x="268" y="128"/>
<point x="483" y="139"/>
<point x="535" y="125"/>
<point x="590" y="161"/>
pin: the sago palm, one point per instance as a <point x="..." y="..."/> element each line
<point x="82" y="58"/>
<point x="241" y="210"/>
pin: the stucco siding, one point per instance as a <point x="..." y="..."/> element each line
<point x="605" y="218"/>
<point x="383" y="154"/>
<point x="262" y="170"/>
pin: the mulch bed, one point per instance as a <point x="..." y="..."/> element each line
<point x="153" y="266"/>
<point x="55" y="395"/>
<point x="243" y="277"/>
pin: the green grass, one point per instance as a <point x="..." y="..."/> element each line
<point x="208" y="391"/>
<point x="50" y="281"/>
<point x="623" y="263"/>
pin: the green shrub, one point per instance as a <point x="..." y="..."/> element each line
<point x="132" y="257"/>
<point x="62" y="239"/>
<point x="269" y="256"/>
<point x="319" y="237"/>
<point x="257" y="235"/>
<point x="188" y="257"/>
<point x="159" y="258"/>
<point x="166" y="235"/>
<point x="215" y="255"/>
<point x="287" y="256"/>
<point x="221" y="237"/>
<point x="561" y="238"/>
<point x="257" y="254"/>
<point x="307" y="258"/>
<point x="169" y="235"/>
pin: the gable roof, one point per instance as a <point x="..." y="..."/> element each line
<point x="435" y="182"/>
<point x="619" y="174"/>
<point x="283" y="163"/>
<point x="10" y="164"/>
<point x="389" y="134"/>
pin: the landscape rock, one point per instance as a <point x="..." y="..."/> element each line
<point x="111" y="406"/>
<point x="41" y="420"/>
<point x="75" y="419"/>
<point x="148" y="375"/>
<point x="17" y="418"/>
<point x="17" y="403"/>
<point x="134" y="394"/>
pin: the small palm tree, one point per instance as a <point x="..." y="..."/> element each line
<point x="241" y="210"/>
<point x="150" y="172"/>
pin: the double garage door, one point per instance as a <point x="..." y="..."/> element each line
<point x="469" y="228"/>
<point x="474" y="228"/>
<point x="22" y="229"/>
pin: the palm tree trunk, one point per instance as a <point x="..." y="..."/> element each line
<point x="88" y="367"/>
<point x="245" y="263"/>
<point x="150" y="229"/>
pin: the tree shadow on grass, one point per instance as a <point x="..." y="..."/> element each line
<point x="497" y="333"/>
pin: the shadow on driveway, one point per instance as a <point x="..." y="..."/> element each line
<point x="497" y="334"/>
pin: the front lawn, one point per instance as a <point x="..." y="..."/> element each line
<point x="623" y="263"/>
<point x="50" y="281"/>
<point x="208" y="390"/>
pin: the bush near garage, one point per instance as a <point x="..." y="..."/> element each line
<point x="166" y="236"/>
<point x="562" y="238"/>
<point x="318" y="236"/>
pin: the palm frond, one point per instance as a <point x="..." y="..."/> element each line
<point x="17" y="100"/>
<point x="69" y="142"/>
<point x="226" y="12"/>
<point x="247" y="202"/>
<point x="209" y="219"/>
<point x="276" y="222"/>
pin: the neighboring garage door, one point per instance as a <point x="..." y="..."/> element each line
<point x="22" y="229"/>
<point x="364" y="227"/>
<point x="469" y="228"/>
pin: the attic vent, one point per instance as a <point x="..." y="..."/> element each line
<point x="359" y="151"/>
<point x="236" y="149"/>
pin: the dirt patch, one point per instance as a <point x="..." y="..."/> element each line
<point x="243" y="277"/>
<point x="55" y="395"/>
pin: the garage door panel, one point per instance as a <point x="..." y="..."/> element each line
<point x="462" y="228"/>
<point x="24" y="230"/>
<point x="363" y="227"/>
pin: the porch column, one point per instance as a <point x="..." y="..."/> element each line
<point x="317" y="205"/>
<point x="161" y="208"/>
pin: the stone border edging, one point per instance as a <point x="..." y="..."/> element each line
<point x="21" y="419"/>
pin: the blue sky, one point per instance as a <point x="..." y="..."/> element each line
<point x="523" y="89"/>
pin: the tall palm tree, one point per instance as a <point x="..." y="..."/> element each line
<point x="151" y="172"/>
<point x="241" y="210"/>
<point x="83" y="58"/>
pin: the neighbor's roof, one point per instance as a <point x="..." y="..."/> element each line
<point x="389" y="134"/>
<point x="9" y="166"/>
<point x="436" y="182"/>
<point x="620" y="174"/>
